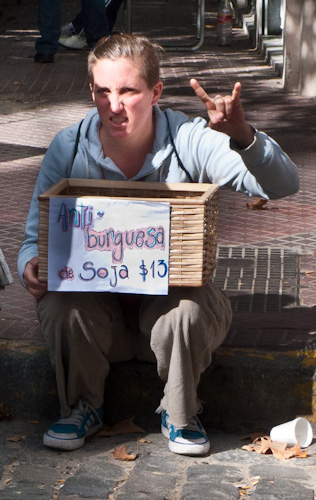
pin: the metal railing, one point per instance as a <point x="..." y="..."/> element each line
<point x="199" y="36"/>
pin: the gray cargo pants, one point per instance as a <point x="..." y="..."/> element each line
<point x="85" y="332"/>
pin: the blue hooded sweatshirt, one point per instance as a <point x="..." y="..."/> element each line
<point x="262" y="169"/>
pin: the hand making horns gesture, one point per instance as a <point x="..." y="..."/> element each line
<point x="226" y="114"/>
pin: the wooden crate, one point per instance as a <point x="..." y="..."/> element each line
<point x="193" y="221"/>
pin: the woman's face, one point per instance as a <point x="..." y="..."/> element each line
<point x="123" y="100"/>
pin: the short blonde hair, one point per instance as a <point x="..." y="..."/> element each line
<point x="142" y="52"/>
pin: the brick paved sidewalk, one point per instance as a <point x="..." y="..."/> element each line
<point x="38" y="100"/>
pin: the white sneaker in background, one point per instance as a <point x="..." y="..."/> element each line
<point x="76" y="42"/>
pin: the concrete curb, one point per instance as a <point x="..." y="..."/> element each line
<point x="235" y="390"/>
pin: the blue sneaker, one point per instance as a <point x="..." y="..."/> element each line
<point x="191" y="440"/>
<point x="69" y="433"/>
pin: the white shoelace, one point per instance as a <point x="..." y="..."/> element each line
<point x="78" y="413"/>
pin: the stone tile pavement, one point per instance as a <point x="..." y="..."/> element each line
<point x="29" y="471"/>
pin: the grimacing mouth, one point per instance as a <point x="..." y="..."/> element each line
<point x="118" y="121"/>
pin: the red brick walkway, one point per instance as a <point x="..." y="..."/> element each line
<point x="38" y="100"/>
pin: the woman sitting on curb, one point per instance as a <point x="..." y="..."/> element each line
<point x="128" y="137"/>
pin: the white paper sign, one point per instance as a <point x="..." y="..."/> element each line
<point x="97" y="244"/>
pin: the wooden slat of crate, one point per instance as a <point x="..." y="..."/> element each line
<point x="193" y="220"/>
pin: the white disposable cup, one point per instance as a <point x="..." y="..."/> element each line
<point x="297" y="431"/>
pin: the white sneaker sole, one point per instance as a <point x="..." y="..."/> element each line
<point x="70" y="43"/>
<point x="189" y="449"/>
<point x="63" y="444"/>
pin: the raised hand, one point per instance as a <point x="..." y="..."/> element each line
<point x="226" y="113"/>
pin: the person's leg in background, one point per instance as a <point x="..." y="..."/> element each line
<point x="95" y="21"/>
<point x="73" y="34"/>
<point x="49" y="20"/>
<point x="111" y="12"/>
<point x="77" y="22"/>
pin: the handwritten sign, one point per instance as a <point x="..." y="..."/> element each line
<point x="97" y="244"/>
